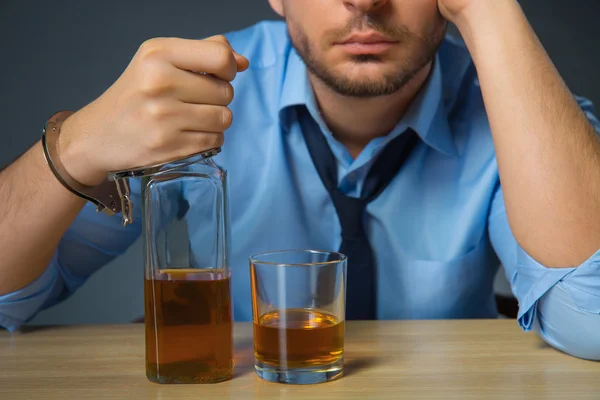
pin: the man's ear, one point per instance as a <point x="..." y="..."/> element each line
<point x="277" y="6"/>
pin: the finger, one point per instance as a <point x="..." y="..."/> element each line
<point x="202" y="89"/>
<point x="202" y="117"/>
<point x="208" y="56"/>
<point x="192" y="142"/>
<point x="242" y="62"/>
<point x="203" y="141"/>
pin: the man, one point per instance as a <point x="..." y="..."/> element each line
<point x="354" y="76"/>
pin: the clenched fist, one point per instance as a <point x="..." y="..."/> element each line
<point x="170" y="102"/>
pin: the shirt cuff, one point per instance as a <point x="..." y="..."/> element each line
<point x="18" y="307"/>
<point x="532" y="281"/>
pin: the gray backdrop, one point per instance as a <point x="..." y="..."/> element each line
<point x="62" y="54"/>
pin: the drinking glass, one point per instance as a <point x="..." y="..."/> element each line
<point x="298" y="309"/>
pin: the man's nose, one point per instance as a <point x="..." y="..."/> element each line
<point x="364" y="6"/>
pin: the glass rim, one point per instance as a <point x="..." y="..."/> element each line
<point x="254" y="260"/>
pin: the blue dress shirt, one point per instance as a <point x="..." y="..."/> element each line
<point x="439" y="230"/>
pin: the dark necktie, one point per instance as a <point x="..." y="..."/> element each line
<point x="361" y="290"/>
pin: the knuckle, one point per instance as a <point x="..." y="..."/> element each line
<point x="220" y="38"/>
<point x="223" y="56"/>
<point x="152" y="48"/>
<point x="219" y="140"/>
<point x="226" y="117"/>
<point x="228" y="93"/>
<point x="155" y="80"/>
<point x="158" y="140"/>
<point x="156" y="111"/>
<point x="213" y="141"/>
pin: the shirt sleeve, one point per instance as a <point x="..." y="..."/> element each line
<point x="93" y="240"/>
<point x="561" y="304"/>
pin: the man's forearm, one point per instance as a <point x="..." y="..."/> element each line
<point x="36" y="210"/>
<point x="548" y="153"/>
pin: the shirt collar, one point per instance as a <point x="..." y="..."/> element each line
<point x="295" y="82"/>
<point x="427" y="115"/>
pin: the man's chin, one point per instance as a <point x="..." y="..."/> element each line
<point x="366" y="79"/>
<point x="362" y="87"/>
<point x="373" y="70"/>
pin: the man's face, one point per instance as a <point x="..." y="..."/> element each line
<point x="364" y="48"/>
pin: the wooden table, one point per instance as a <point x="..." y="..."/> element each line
<point x="481" y="359"/>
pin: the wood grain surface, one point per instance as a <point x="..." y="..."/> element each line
<point x="475" y="359"/>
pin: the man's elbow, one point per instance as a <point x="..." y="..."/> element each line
<point x="567" y="327"/>
<point x="586" y="347"/>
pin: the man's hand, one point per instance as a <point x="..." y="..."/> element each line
<point x="547" y="151"/>
<point x="454" y="10"/>
<point x="170" y="102"/>
<point x="450" y="9"/>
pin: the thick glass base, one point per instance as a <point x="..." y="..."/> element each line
<point x="300" y="376"/>
<point x="215" y="376"/>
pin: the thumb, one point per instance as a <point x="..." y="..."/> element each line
<point x="242" y="62"/>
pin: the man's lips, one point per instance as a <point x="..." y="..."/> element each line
<point x="370" y="43"/>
